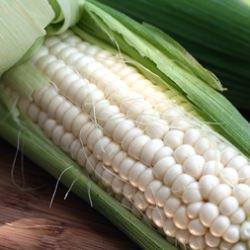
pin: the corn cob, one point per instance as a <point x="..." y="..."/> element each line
<point x="145" y="144"/>
<point x="142" y="144"/>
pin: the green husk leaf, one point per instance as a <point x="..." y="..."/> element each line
<point x="221" y="25"/>
<point x="215" y="32"/>
<point x="26" y="26"/>
<point x="178" y="54"/>
<point x="112" y="26"/>
<point x="9" y="105"/>
<point x="67" y="14"/>
<point x="24" y="79"/>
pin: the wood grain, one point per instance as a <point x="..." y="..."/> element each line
<point x="27" y="222"/>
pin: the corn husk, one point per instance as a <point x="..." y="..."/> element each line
<point x="216" y="32"/>
<point x="21" y="28"/>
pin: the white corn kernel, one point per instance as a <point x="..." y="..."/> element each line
<point x="137" y="169"/>
<point x="211" y="240"/>
<point x="149" y="150"/>
<point x="129" y="191"/>
<point x="238" y="216"/>
<point x="110" y="152"/>
<point x="192" y="193"/>
<point x="82" y="156"/>
<point x="161" y="153"/>
<point x="193" y="165"/>
<point x="207" y="183"/>
<point x="93" y="137"/>
<point x="158" y="217"/>
<point x="219" y="226"/>
<point x="183" y="236"/>
<point x="202" y="145"/>
<point x="161" y="166"/>
<point x="78" y="123"/>
<point x="228" y="206"/>
<point x="57" y="134"/>
<point x="33" y="112"/>
<point x="156" y="129"/>
<point x="172" y="173"/>
<point x="239" y="246"/>
<point x="162" y="195"/>
<point x="107" y="177"/>
<point x="193" y="209"/>
<point x="169" y="228"/>
<point x="66" y="141"/>
<point x="237" y="162"/>
<point x="74" y="147"/>
<point x="98" y="148"/>
<point x="229" y="176"/>
<point x="232" y="234"/>
<point x="144" y="179"/>
<point x="180" y="184"/>
<point x="241" y="192"/>
<point x="196" y="242"/>
<point x="208" y="213"/>
<point x="151" y="191"/>
<point x="125" y="167"/>
<point x="117" y="185"/>
<point x="135" y="147"/>
<point x="212" y="167"/>
<point x="174" y="138"/>
<point x="212" y="155"/>
<point x="121" y="156"/>
<point x="191" y="136"/>
<point x="244" y="173"/>
<point x="129" y="137"/>
<point x="140" y="201"/>
<point x="182" y="152"/>
<point x="196" y="228"/>
<point x="180" y="218"/>
<point x="69" y="117"/>
<point x="91" y="163"/>
<point x="219" y="193"/>
<point x="54" y="105"/>
<point x="245" y="230"/>
<point x="171" y="205"/>
<point x="48" y="127"/>
<point x="227" y="154"/>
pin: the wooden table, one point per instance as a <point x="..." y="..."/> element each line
<point x="27" y="222"/>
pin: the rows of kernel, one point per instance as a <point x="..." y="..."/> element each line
<point x="213" y="167"/>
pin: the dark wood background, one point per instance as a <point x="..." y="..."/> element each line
<point x="27" y="222"/>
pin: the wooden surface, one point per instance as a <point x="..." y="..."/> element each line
<point x="27" y="222"/>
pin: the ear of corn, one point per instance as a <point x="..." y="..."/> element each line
<point x="140" y="135"/>
<point x="215" y="32"/>
<point x="107" y="117"/>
